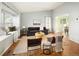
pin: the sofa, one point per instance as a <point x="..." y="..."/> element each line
<point x="32" y="30"/>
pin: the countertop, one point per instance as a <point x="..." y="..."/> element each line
<point x="3" y="37"/>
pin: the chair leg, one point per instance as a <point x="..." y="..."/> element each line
<point x="13" y="54"/>
<point x="27" y="52"/>
<point x="54" y="48"/>
<point x="51" y="48"/>
<point x="40" y="49"/>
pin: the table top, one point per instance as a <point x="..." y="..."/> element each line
<point x="22" y="45"/>
<point x="47" y="36"/>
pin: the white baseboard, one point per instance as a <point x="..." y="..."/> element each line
<point x="76" y="41"/>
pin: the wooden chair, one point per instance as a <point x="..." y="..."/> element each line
<point x="53" y="41"/>
<point x="59" y="40"/>
<point x="33" y="43"/>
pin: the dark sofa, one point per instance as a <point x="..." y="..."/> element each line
<point x="32" y="30"/>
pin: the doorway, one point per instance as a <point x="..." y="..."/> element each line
<point x="62" y="24"/>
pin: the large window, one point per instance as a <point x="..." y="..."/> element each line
<point x="7" y="19"/>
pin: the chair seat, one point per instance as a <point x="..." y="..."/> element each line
<point x="47" y="43"/>
<point x="33" y="48"/>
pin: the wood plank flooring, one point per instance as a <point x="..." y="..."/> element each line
<point x="70" y="49"/>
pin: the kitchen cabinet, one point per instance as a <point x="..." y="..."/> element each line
<point x="5" y="42"/>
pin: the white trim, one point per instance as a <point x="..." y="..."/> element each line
<point x="76" y="41"/>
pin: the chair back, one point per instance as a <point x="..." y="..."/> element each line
<point x="34" y="42"/>
<point x="59" y="38"/>
<point x="52" y="40"/>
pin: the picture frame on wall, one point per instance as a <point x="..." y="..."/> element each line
<point x="36" y="22"/>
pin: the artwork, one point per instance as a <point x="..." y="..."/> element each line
<point x="36" y="22"/>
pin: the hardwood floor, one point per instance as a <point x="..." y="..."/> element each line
<point x="70" y="49"/>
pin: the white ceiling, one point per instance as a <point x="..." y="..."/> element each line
<point x="35" y="6"/>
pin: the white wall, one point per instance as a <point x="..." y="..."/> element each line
<point x="72" y="9"/>
<point x="0" y="15"/>
<point x="27" y="18"/>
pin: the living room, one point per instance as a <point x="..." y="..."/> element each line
<point x="47" y="18"/>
